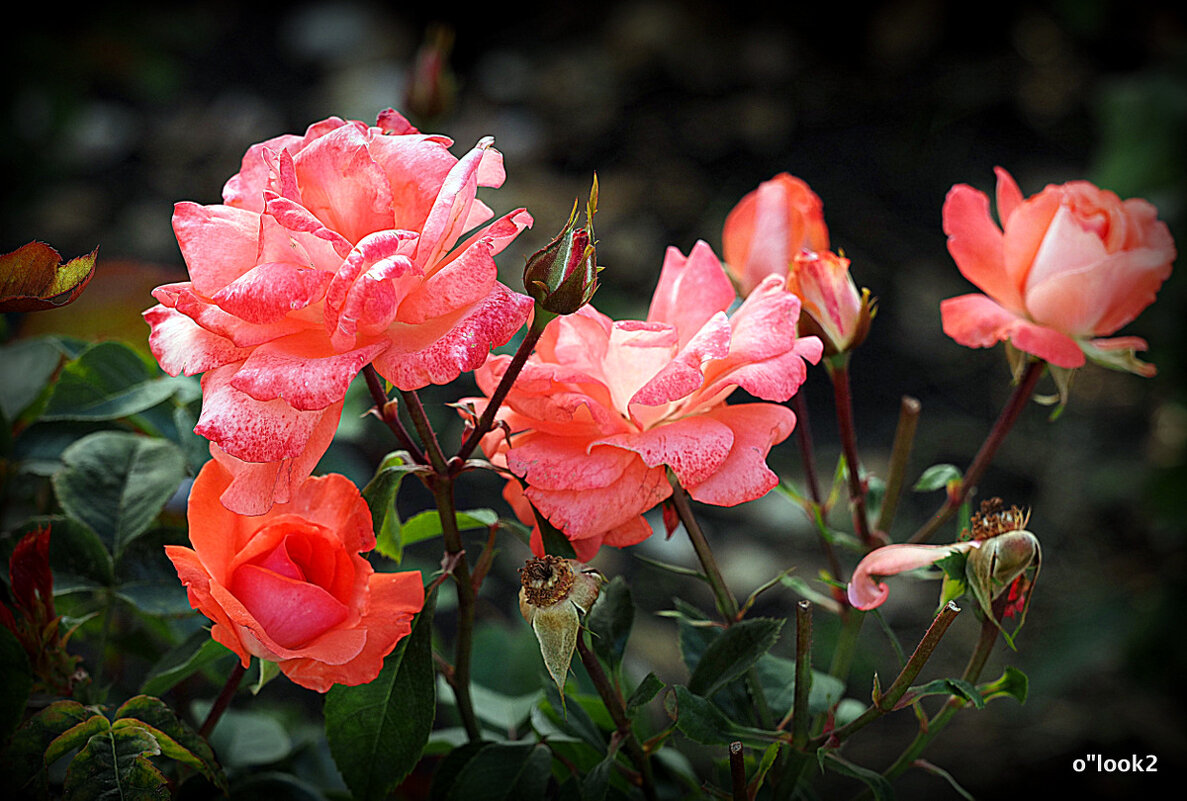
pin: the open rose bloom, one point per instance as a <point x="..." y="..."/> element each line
<point x="1068" y="266"/>
<point x="770" y="227"/>
<point x="603" y="408"/>
<point x="330" y="251"/>
<point x="290" y="586"/>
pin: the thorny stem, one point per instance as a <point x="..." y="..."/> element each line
<point x="223" y="701"/>
<point x="727" y="605"/>
<point x="887" y="701"/>
<point x="617" y="709"/>
<point x="904" y="438"/>
<point x="838" y="370"/>
<point x="388" y="414"/>
<point x="442" y="488"/>
<point x="972" y="672"/>
<point x="1005" y="421"/>
<point x="487" y="420"/>
<point x="424" y="429"/>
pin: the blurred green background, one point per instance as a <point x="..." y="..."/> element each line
<point x="114" y="114"/>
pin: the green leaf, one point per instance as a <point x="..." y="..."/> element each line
<point x="76" y="551"/>
<point x="33" y="278"/>
<point x="22" y="764"/>
<point x="1013" y="683"/>
<point x="117" y="483"/>
<point x="776" y="675"/>
<point x="427" y="525"/>
<point x="380" y="495"/>
<point x="26" y="366"/>
<point x="155" y="596"/>
<point x="502" y="772"/>
<point x="597" y="780"/>
<point x="114" y="765"/>
<point x="701" y="721"/>
<point x="246" y="739"/>
<point x="676" y="569"/>
<point x="194" y="653"/>
<point x="647" y="689"/>
<point x="733" y="653"/>
<point x="878" y="784"/>
<point x="378" y="730"/>
<point x="272" y="785"/>
<point x="75" y="737"/>
<point x="16" y="682"/>
<point x="573" y="719"/>
<point x="611" y="619"/>
<point x="936" y="770"/>
<point x="505" y="712"/>
<point x="937" y="477"/>
<point x="176" y="740"/>
<point x="958" y="687"/>
<point x="107" y="381"/>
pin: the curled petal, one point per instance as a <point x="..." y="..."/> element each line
<point x="867" y="592"/>
<point x="975" y="321"/>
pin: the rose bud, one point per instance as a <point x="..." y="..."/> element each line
<point x="555" y="593"/>
<point x="833" y="309"/>
<point x="563" y="275"/>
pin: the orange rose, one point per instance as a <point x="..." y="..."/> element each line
<point x="290" y="586"/>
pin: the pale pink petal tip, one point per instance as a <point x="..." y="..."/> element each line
<point x="867" y="592"/>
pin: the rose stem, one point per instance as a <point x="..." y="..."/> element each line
<point x="972" y="672"/>
<point x="389" y="415"/>
<point x="738" y="771"/>
<point x="904" y="438"/>
<point x="803" y="432"/>
<point x="535" y="330"/>
<point x="803" y="673"/>
<point x="838" y="371"/>
<point x="440" y="483"/>
<point x="886" y="702"/>
<point x="223" y="701"/>
<point x="997" y="435"/>
<point x="617" y="709"/>
<point x="727" y="605"/>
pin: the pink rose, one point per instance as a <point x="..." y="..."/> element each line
<point x="1069" y="265"/>
<point x="332" y="250"/>
<point x="290" y="586"/>
<point x="604" y="408"/>
<point x="769" y="227"/>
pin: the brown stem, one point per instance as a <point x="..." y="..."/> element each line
<point x="223" y="701"/>
<point x="738" y="771"/>
<point x="487" y="420"/>
<point x="886" y="701"/>
<point x="1005" y="421"/>
<point x="386" y="412"/>
<point x="727" y="605"/>
<point x="803" y="434"/>
<point x="803" y="673"/>
<point x="424" y="429"/>
<point x="617" y="709"/>
<point x="839" y="372"/>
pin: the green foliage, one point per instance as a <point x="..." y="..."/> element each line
<point x="16" y="682"/>
<point x="493" y="772"/>
<point x="938" y="476"/>
<point x="611" y="619"/>
<point x="1013" y="684"/>
<point x="380" y="495"/>
<point x="377" y="730"/>
<point x="730" y="654"/>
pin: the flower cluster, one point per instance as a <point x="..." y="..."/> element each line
<point x="605" y="408"/>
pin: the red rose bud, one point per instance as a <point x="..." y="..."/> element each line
<point x="431" y="88"/>
<point x="563" y="275"/>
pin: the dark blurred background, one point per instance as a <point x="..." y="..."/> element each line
<point x="114" y="114"/>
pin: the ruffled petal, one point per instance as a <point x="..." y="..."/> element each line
<point x="690" y="291"/>
<point x="181" y="346"/>
<point x="976" y="245"/>
<point x="694" y="447"/>
<point x="744" y="475"/>
<point x="342" y="185"/>
<point x="218" y="243"/>
<point x="303" y="370"/>
<point x="975" y="321"/>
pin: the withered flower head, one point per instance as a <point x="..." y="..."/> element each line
<point x="555" y="593"/>
<point x="1007" y="562"/>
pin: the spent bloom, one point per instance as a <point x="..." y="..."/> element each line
<point x="1067" y="267"/>
<point x="330" y="251"/>
<point x="555" y="594"/>
<point x="291" y="586"/>
<point x="769" y="227"/>
<point x="604" y="408"/>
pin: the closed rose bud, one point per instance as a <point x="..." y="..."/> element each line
<point x="563" y="275"/>
<point x="833" y="308"/>
<point x="555" y="593"/>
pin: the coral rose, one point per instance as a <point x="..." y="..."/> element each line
<point x="833" y="308"/>
<point x="332" y="250"/>
<point x="290" y="586"/>
<point x="769" y="227"/>
<point x="1068" y="265"/>
<point x="603" y="409"/>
